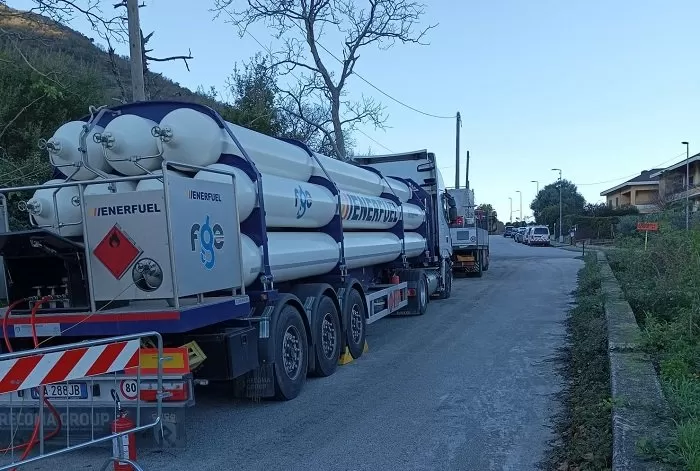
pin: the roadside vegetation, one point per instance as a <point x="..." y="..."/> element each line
<point x="662" y="284"/>
<point x="584" y="427"/>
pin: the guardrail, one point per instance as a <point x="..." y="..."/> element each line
<point x="65" y="377"/>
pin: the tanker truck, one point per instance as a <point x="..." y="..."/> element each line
<point x="257" y="260"/>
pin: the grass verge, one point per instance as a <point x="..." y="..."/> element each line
<point x="662" y="284"/>
<point x="584" y="427"/>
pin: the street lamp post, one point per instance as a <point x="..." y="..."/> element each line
<point x="520" y="193"/>
<point x="687" y="185"/>
<point x="538" y="186"/>
<point x="510" y="217"/>
<point x="561" y="238"/>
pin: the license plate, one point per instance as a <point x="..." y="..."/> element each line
<point x="63" y="391"/>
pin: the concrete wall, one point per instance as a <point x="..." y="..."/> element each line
<point x="640" y="412"/>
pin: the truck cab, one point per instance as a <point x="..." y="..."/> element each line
<point x="469" y="231"/>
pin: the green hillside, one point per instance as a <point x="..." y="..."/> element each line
<point x="37" y="35"/>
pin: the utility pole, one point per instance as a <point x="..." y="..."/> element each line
<point x="458" y="125"/>
<point x="538" y="187"/>
<point x="687" y="185"/>
<point x="138" y="87"/>
<point x="521" y="204"/>
<point x="510" y="216"/>
<point x="466" y="183"/>
<point x="561" y="239"/>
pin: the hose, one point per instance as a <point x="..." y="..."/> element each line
<point x="59" y="425"/>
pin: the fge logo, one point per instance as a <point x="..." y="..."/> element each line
<point x="302" y="201"/>
<point x="211" y="238"/>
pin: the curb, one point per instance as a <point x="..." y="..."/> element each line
<point x="640" y="412"/>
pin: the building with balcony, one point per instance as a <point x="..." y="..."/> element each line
<point x="672" y="182"/>
<point x="642" y="192"/>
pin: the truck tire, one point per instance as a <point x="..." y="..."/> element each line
<point x="422" y="296"/>
<point x="326" y="331"/>
<point x="291" y="354"/>
<point x="480" y="259"/>
<point x="488" y="260"/>
<point x="448" y="284"/>
<point x="418" y="304"/>
<point x="356" y="324"/>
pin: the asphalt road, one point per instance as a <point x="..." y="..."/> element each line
<point x="468" y="386"/>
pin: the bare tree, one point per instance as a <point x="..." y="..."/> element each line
<point x="300" y="27"/>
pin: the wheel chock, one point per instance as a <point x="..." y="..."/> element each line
<point x="346" y="358"/>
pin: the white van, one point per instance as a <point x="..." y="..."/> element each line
<point x="538" y="235"/>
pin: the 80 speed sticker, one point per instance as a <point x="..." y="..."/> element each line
<point x="129" y="388"/>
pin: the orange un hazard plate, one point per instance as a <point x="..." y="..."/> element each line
<point x="176" y="361"/>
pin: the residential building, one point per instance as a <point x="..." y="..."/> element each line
<point x="672" y="182"/>
<point x="642" y="192"/>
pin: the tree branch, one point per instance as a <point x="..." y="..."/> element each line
<point x="21" y="111"/>
<point x="303" y="22"/>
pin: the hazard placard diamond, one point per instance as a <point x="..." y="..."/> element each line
<point x="117" y="251"/>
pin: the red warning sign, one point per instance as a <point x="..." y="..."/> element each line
<point x="116" y="251"/>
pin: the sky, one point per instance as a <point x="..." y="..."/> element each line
<point x="599" y="89"/>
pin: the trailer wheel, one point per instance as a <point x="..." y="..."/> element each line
<point x="488" y="260"/>
<point x="291" y="354"/>
<point x="327" y="335"/>
<point x="356" y="324"/>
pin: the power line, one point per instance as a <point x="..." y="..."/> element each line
<point x="373" y="140"/>
<point x="425" y="113"/>
<point x="293" y="75"/>
<point x="632" y="175"/>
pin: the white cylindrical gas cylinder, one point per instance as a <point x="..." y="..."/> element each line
<point x="192" y="137"/>
<point x="288" y="203"/>
<point x="400" y="189"/>
<point x="246" y="190"/>
<point x="296" y="255"/>
<point x="195" y="138"/>
<point x="363" y="249"/>
<point x="128" y="136"/>
<point x="292" y="203"/>
<point x="157" y="183"/>
<point x="251" y="260"/>
<point x="63" y="148"/>
<point x="107" y="188"/>
<point x="67" y="210"/>
<point x="413" y="216"/>
<point x="414" y="244"/>
<point x="348" y="177"/>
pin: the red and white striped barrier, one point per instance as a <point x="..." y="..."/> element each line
<point x="75" y="363"/>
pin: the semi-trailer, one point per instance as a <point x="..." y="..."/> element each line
<point x="258" y="260"/>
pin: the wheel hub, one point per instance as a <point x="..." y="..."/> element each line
<point x="356" y="323"/>
<point x="292" y="354"/>
<point x="328" y="336"/>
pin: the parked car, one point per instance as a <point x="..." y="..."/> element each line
<point x="518" y="235"/>
<point x="526" y="235"/>
<point x="539" y="235"/>
<point x="509" y="232"/>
